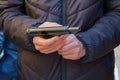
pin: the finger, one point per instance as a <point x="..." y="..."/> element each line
<point x="36" y="40"/>
<point x="70" y="46"/>
<point x="47" y="51"/>
<point x="44" y="42"/>
<point x="39" y="48"/>
<point x="49" y="24"/>
<point x="75" y="55"/>
<point x="70" y="51"/>
<point x="71" y="57"/>
<point x="55" y="47"/>
<point x="68" y="39"/>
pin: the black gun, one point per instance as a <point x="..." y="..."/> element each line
<point x="52" y="31"/>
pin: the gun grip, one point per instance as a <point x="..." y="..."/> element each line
<point x="47" y="36"/>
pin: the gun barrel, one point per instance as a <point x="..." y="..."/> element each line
<point x="51" y="30"/>
<point x="73" y="28"/>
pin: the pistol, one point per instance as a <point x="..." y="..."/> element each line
<point x="52" y="31"/>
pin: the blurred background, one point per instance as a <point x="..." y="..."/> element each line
<point x="117" y="58"/>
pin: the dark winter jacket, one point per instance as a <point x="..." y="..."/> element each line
<point x="99" y="21"/>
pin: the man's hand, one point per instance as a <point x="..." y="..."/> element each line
<point x="72" y="48"/>
<point x="67" y="45"/>
<point x="47" y="45"/>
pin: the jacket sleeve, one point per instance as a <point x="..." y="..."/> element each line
<point x="14" y="22"/>
<point x="104" y="36"/>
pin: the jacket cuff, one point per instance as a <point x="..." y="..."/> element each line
<point x="30" y="38"/>
<point x="87" y="57"/>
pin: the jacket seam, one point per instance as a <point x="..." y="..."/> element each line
<point x="47" y="11"/>
<point x="84" y="8"/>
